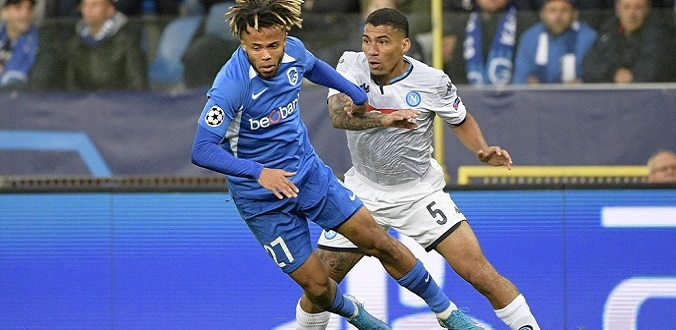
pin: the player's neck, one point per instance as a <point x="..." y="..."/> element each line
<point x="399" y="72"/>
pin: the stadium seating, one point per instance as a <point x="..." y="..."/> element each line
<point x="166" y="68"/>
<point x="215" y="21"/>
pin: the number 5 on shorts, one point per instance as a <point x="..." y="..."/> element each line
<point x="437" y="212"/>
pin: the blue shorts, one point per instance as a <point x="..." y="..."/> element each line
<point x="281" y="226"/>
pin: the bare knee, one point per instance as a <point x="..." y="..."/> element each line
<point x="481" y="275"/>
<point x="486" y="280"/>
<point x="383" y="246"/>
<point x="372" y="239"/>
<point x="338" y="263"/>
<point x="319" y="293"/>
<point x="316" y="285"/>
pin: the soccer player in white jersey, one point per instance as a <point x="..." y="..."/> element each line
<point x="393" y="170"/>
<point x="250" y="130"/>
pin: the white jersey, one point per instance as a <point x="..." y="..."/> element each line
<point x="392" y="156"/>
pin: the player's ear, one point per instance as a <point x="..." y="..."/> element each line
<point x="405" y="45"/>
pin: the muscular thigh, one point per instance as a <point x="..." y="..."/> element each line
<point x="363" y="231"/>
<point x="462" y="250"/>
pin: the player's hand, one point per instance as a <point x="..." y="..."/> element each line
<point x="356" y="110"/>
<point x="276" y="181"/>
<point x="495" y="156"/>
<point x="401" y="119"/>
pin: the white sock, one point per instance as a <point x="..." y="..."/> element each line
<point x="447" y="312"/>
<point x="309" y="321"/>
<point x="517" y="315"/>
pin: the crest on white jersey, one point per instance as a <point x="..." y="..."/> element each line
<point x="330" y="234"/>
<point x="292" y="74"/>
<point x="413" y="98"/>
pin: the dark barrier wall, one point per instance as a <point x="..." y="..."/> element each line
<point x="585" y="259"/>
<point x="151" y="132"/>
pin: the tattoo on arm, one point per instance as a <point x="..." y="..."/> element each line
<point x="340" y="119"/>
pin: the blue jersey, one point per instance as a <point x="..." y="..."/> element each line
<point x="540" y="53"/>
<point x="258" y="119"/>
<point x="250" y="123"/>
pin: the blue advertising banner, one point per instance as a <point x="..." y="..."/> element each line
<point x="151" y="133"/>
<point x="584" y="259"/>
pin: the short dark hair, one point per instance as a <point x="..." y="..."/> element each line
<point x="263" y="13"/>
<point x="391" y="17"/>
<point x="16" y="2"/>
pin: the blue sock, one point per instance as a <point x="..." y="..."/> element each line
<point x="341" y="306"/>
<point x="419" y="281"/>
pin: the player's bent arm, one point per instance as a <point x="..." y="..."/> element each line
<point x="356" y="122"/>
<point x="469" y="133"/>
<point x="325" y="75"/>
<point x="207" y="153"/>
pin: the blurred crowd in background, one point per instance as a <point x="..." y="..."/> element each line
<point x="175" y="44"/>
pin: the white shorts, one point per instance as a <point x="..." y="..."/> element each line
<point x="418" y="209"/>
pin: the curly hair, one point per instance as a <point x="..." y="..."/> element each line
<point x="264" y="13"/>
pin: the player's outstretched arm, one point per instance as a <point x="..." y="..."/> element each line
<point x="471" y="137"/>
<point x="342" y="118"/>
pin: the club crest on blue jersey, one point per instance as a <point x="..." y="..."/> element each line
<point x="413" y="98"/>
<point x="214" y="116"/>
<point x="292" y="74"/>
<point x="329" y="234"/>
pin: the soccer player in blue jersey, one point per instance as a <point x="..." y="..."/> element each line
<point x="250" y="130"/>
